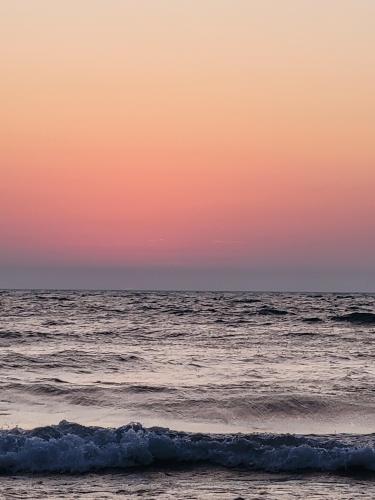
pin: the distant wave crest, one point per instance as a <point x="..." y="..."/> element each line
<point x="364" y="318"/>
<point x="73" y="448"/>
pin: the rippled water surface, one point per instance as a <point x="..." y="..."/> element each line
<point x="207" y="363"/>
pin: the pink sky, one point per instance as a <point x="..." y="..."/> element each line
<point x="215" y="134"/>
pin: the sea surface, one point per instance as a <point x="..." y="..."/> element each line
<point x="179" y="395"/>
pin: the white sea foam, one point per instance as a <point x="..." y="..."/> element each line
<point x="74" y="448"/>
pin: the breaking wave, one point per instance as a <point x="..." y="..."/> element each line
<point x="73" y="448"/>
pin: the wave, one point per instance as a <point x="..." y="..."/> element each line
<point x="312" y="320"/>
<point x="218" y="402"/>
<point x="74" y="448"/>
<point x="57" y="322"/>
<point x="365" y="318"/>
<point x="67" y="358"/>
<point x="271" y="311"/>
<point x="245" y="301"/>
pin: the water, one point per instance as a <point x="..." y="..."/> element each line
<point x="237" y="394"/>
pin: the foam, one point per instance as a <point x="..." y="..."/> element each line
<point x="73" y="448"/>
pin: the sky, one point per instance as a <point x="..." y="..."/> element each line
<point x="211" y="144"/>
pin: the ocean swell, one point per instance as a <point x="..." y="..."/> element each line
<point x="73" y="448"/>
<point x="362" y="318"/>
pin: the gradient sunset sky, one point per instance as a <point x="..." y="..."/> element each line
<point x="226" y="144"/>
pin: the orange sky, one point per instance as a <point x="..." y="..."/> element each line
<point x="187" y="133"/>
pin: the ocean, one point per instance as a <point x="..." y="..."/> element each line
<point x="186" y="395"/>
